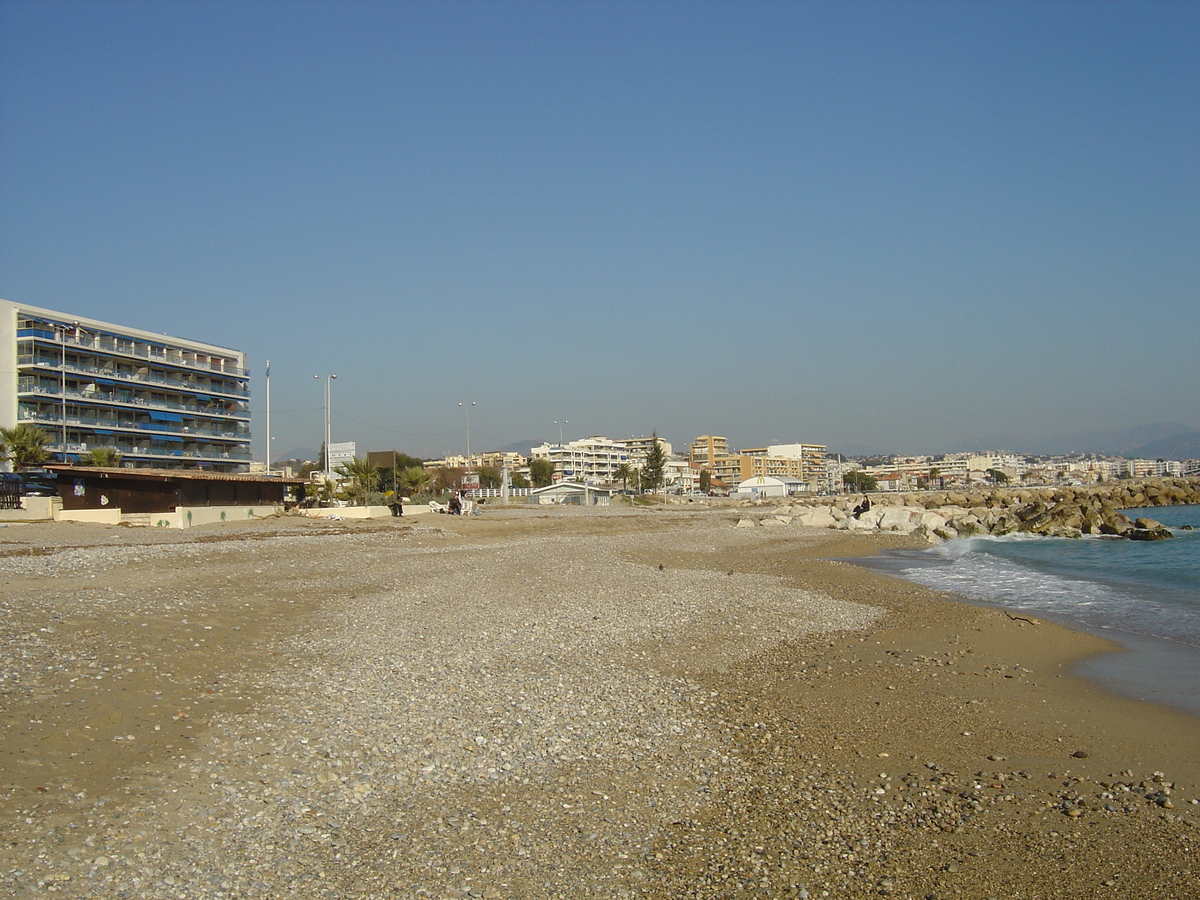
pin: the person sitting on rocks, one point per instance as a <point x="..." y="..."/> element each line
<point x="862" y="507"/>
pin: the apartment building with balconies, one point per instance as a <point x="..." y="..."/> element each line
<point x="591" y="460"/>
<point x="161" y="402"/>
<point x="706" y="450"/>
<point x="638" y="447"/>
<point x="805" y="462"/>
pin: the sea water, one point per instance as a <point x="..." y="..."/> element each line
<point x="1145" y="595"/>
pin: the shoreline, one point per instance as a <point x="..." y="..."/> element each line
<point x="1144" y="667"/>
<point x="558" y="704"/>
<point x="1141" y="667"/>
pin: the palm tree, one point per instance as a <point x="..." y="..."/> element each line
<point x="363" y="477"/>
<point x="24" y="445"/>
<point x="635" y="478"/>
<point x="414" y="479"/>
<point x="623" y="473"/>
<point x="102" y="457"/>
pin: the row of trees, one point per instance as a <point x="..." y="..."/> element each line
<point x="24" y="446"/>
<point x="363" y="479"/>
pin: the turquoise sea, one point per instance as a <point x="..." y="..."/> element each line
<point x="1143" y="594"/>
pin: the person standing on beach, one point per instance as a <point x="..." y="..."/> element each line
<point x="397" y="503"/>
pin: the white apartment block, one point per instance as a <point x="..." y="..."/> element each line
<point x="591" y="460"/>
<point x="493" y="459"/>
<point x="1150" y="468"/>
<point x="637" y="447"/>
<point x="162" y="402"/>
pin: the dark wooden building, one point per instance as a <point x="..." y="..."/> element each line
<point x="162" y="490"/>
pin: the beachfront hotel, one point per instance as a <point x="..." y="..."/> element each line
<point x="161" y="402"/>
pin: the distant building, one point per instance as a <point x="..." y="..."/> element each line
<point x="804" y="462"/>
<point x="591" y="460"/>
<point x="637" y="447"/>
<point x="162" y="402"/>
<point x="770" y="486"/>
<point x="706" y="450"/>
<point x="567" y="493"/>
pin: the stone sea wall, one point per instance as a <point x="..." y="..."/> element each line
<point x="942" y="515"/>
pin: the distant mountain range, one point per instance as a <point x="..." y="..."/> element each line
<point x="301" y="454"/>
<point x="1181" y="446"/>
<point x="1144" y="442"/>
<point x="524" y="447"/>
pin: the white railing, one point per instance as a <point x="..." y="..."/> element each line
<point x="487" y="493"/>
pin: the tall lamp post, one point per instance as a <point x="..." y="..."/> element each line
<point x="560" y="428"/>
<point x="328" y="434"/>
<point x="467" y="409"/>
<point x="62" y="341"/>
<point x="268" y="417"/>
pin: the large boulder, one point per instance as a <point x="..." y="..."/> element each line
<point x="1145" y="529"/>
<point x="868" y="521"/>
<point x="816" y="518"/>
<point x="898" y="518"/>
<point x="1115" y="523"/>
<point x="1144" y="534"/>
<point x="932" y="521"/>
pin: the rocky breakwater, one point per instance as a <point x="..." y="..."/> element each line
<point x="1071" y="511"/>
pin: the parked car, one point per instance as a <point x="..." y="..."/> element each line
<point x="39" y="483"/>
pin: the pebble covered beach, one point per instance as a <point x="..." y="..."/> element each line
<point x="562" y="703"/>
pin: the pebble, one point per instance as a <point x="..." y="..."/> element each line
<point x="495" y="729"/>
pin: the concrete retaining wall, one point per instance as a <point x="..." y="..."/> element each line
<point x="96" y="516"/>
<point x="33" y="509"/>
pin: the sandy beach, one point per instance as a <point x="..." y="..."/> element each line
<point x="563" y="703"/>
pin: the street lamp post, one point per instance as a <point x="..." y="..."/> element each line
<point x="268" y="417"/>
<point x="560" y="429"/>
<point x="62" y="341"/>
<point x="328" y="430"/>
<point x="467" y="409"/>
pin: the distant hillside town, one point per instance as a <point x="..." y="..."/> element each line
<point x="711" y="466"/>
<point x="83" y="392"/>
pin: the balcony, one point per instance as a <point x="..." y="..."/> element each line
<point x="102" y="425"/>
<point x="104" y="374"/>
<point x="132" y="350"/>
<point x="155" y="453"/>
<point x="55" y="391"/>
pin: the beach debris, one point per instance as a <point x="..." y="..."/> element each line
<point x="1021" y="618"/>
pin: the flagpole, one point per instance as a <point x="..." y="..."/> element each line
<point x="268" y="457"/>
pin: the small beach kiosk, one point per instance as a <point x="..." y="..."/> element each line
<point x="770" y="486"/>
<point x="570" y="493"/>
<point x="172" y="498"/>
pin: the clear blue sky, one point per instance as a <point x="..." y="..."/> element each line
<point x="906" y="225"/>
